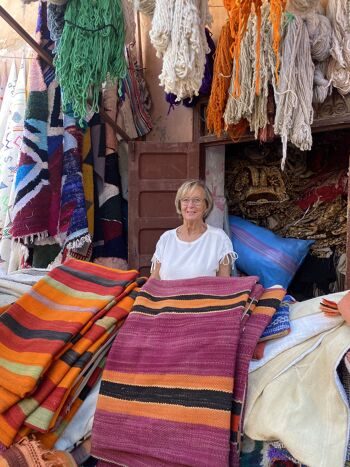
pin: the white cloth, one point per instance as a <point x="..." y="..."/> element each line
<point x="9" y="157"/>
<point x="81" y="423"/>
<point x="7" y="100"/>
<point x="185" y="260"/>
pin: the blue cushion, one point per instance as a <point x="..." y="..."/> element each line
<point x="262" y="253"/>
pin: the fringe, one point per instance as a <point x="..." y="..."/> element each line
<point x="78" y="242"/>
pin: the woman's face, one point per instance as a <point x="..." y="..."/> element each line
<point x="193" y="205"/>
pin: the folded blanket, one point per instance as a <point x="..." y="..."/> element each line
<point x="166" y="392"/>
<point x="51" y="335"/>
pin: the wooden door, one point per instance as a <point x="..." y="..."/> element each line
<point x="156" y="170"/>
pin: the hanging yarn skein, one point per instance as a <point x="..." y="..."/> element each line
<point x="145" y="6"/>
<point x="294" y="112"/>
<point x="91" y="48"/>
<point x="178" y="35"/>
<point x="239" y="11"/>
<point x="338" y="72"/>
<point x="221" y="82"/>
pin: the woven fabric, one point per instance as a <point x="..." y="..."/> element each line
<point x="251" y="331"/>
<point x="7" y="100"/>
<point x="32" y="194"/>
<point x="166" y="392"/>
<point x="73" y="224"/>
<point x="88" y="180"/>
<point x="280" y="323"/>
<point x="51" y="335"/>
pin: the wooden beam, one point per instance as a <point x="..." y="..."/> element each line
<point x="48" y="59"/>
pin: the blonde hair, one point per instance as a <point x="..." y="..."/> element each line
<point x="188" y="186"/>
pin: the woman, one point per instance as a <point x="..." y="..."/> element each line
<point x="195" y="248"/>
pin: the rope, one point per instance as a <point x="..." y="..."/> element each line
<point x="91" y="48"/>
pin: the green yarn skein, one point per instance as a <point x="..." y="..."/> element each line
<point x="90" y="50"/>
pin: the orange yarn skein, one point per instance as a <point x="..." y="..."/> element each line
<point x="221" y="82"/>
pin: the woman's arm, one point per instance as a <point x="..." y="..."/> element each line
<point x="224" y="270"/>
<point x="155" y="272"/>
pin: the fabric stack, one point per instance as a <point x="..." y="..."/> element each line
<point x="174" y="384"/>
<point x="53" y="341"/>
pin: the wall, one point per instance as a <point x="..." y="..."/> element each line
<point x="24" y="14"/>
<point x="175" y="126"/>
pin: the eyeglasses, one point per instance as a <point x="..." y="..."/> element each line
<point x="195" y="201"/>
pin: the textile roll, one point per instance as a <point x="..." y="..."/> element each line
<point x="166" y="392"/>
<point x="50" y="335"/>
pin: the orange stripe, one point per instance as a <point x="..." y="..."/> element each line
<point x="44" y="312"/>
<point x="7" y="433"/>
<point x="215" y="383"/>
<point x="34" y="358"/>
<point x="173" y="413"/>
<point x="198" y="303"/>
<point x="57" y="296"/>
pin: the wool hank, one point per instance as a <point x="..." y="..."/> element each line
<point x="91" y="48"/>
<point x="221" y="82"/>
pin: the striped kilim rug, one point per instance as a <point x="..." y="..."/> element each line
<point x="166" y="392"/>
<point x="52" y="337"/>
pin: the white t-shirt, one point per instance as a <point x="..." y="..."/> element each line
<point x="185" y="260"/>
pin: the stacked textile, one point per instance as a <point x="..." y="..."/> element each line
<point x="295" y="395"/>
<point x="183" y="353"/>
<point x="53" y="339"/>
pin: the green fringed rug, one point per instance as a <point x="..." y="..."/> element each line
<point x="91" y="48"/>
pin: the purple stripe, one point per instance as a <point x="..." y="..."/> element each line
<point x="141" y="441"/>
<point x="277" y="256"/>
<point x="177" y="344"/>
<point x="200" y="285"/>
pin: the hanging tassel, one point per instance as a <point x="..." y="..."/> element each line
<point x="91" y="49"/>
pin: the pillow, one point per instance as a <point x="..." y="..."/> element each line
<point x="262" y="253"/>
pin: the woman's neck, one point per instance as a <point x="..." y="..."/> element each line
<point x="193" y="227"/>
<point x="190" y="231"/>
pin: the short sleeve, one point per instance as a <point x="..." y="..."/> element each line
<point x="226" y="255"/>
<point x="158" y="254"/>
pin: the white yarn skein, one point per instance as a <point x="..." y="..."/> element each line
<point x="145" y="6"/>
<point x="320" y="34"/>
<point x="162" y="21"/>
<point x="294" y="112"/>
<point x="302" y="7"/>
<point x="338" y="72"/>
<point x="185" y="54"/>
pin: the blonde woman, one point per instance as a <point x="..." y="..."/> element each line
<point x="195" y="248"/>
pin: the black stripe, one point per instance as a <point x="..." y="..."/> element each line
<point x="26" y="333"/>
<point x="218" y="400"/>
<point x="171" y="309"/>
<point x="69" y="357"/>
<point x="152" y="298"/>
<point x="270" y="302"/>
<point x="96" y="280"/>
<point x="83" y="360"/>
